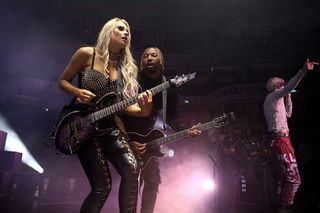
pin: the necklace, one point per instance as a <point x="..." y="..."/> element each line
<point x="114" y="54"/>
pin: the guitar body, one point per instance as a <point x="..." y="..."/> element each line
<point x="76" y="127"/>
<point x="151" y="152"/>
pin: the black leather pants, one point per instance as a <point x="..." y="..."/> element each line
<point x="93" y="157"/>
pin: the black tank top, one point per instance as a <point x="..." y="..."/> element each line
<point x="96" y="81"/>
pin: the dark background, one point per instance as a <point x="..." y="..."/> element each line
<point x="228" y="43"/>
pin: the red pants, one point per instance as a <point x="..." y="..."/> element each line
<point x="289" y="178"/>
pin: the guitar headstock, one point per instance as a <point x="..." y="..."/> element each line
<point x="179" y="80"/>
<point x="224" y="119"/>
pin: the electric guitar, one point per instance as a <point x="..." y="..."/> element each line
<point x="80" y="123"/>
<point x="156" y="138"/>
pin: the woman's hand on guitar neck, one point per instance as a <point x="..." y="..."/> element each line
<point x="139" y="148"/>
<point x="145" y="103"/>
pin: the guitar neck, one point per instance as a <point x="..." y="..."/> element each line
<point x="217" y="122"/>
<point x="124" y="104"/>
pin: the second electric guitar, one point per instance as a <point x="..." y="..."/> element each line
<point x="156" y="138"/>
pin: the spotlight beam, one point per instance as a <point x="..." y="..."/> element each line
<point x="14" y="143"/>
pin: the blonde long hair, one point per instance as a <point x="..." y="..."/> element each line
<point x="127" y="66"/>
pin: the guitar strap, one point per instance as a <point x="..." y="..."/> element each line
<point x="164" y="105"/>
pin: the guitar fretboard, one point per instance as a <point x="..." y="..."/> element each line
<point x="93" y="117"/>
<point x="215" y="123"/>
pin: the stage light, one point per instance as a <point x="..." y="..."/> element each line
<point x="166" y="151"/>
<point x="15" y="144"/>
<point x="208" y="184"/>
<point x="200" y="182"/>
